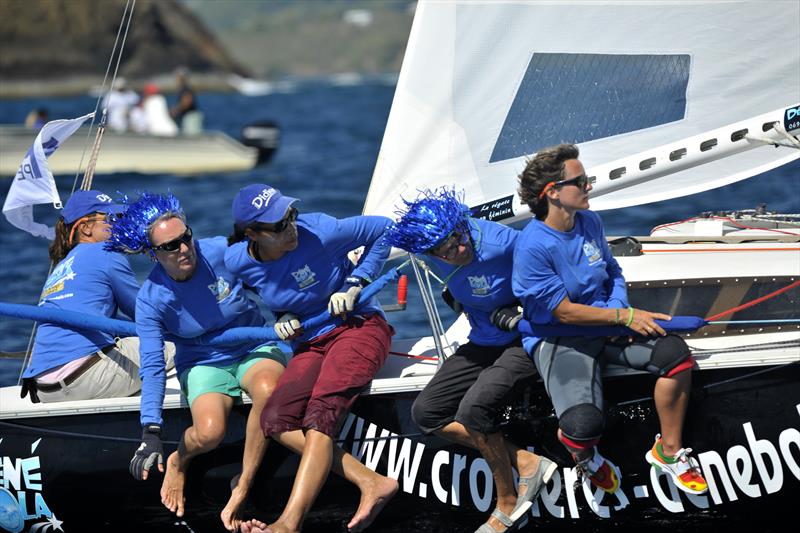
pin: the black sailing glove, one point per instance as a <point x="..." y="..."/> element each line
<point x="150" y="451"/>
<point x="506" y="318"/>
<point x="451" y="302"/>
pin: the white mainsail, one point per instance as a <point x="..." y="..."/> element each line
<point x="484" y="85"/>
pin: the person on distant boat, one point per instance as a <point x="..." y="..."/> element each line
<point x="154" y="113"/>
<point x="36" y="118"/>
<point x="300" y="267"/>
<point x="186" y="112"/>
<point x="118" y="103"/>
<point x="464" y="400"/>
<point x="564" y="273"/>
<point x="77" y="364"/>
<point x="190" y="293"/>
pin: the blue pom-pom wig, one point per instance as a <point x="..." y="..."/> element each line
<point x="427" y="221"/>
<point x="129" y="230"/>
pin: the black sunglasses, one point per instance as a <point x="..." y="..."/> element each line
<point x="281" y="225"/>
<point x="175" y="244"/>
<point x="579" y="181"/>
<point x="448" y="247"/>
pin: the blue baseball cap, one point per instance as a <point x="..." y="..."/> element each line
<point x="82" y="203"/>
<point x="260" y="203"/>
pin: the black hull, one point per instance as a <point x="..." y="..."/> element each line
<point x="745" y="432"/>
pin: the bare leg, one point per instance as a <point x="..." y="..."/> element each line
<point x="259" y="382"/>
<point x="671" y="397"/>
<point x="492" y="448"/>
<point x="522" y="460"/>
<point x="376" y="490"/>
<point x="315" y="464"/>
<point x="500" y="462"/>
<point x="209" y="417"/>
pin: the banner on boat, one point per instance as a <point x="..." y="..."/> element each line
<point x="34" y="184"/>
<point x="757" y="465"/>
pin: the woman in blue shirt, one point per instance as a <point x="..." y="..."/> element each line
<point x="300" y="267"/>
<point x="77" y="364"/>
<point x="564" y="273"/>
<point x="464" y="399"/>
<point x="190" y="293"/>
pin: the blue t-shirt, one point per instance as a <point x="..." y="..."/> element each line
<point x="89" y="280"/>
<point x="550" y="265"/>
<point x="485" y="283"/>
<point x="211" y="301"/>
<point x="302" y="280"/>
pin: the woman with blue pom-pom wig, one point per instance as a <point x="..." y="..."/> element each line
<point x="77" y="364"/>
<point x="464" y="400"/>
<point x="190" y="293"/>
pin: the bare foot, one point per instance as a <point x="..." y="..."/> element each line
<point x="373" y="500"/>
<point x="231" y="514"/>
<point x="278" y="527"/>
<point x="172" y="488"/>
<point x="254" y="526"/>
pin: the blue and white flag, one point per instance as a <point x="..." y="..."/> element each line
<point x="34" y="183"/>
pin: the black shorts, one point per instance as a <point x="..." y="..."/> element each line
<point x="472" y="387"/>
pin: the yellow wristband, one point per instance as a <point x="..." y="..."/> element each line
<point x="630" y="317"/>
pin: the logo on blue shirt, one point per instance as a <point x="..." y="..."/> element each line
<point x="480" y="285"/>
<point x="592" y="252"/>
<point x="220" y="288"/>
<point x="305" y="277"/>
<point x="55" y="282"/>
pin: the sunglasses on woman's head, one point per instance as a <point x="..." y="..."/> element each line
<point x="175" y="244"/>
<point x="281" y="225"/>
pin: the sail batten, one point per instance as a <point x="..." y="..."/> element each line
<point x="485" y="85"/>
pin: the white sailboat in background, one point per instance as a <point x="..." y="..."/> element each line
<point x="664" y="99"/>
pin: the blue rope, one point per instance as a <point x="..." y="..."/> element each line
<point x="126" y="328"/>
<point x="678" y="324"/>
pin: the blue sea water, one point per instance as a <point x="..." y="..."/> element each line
<point x="330" y="141"/>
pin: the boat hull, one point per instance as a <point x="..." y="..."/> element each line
<point x="744" y="425"/>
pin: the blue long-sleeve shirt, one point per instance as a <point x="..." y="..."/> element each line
<point x="485" y="283"/>
<point x="550" y="265"/>
<point x="302" y="280"/>
<point x="212" y="300"/>
<point x="89" y="280"/>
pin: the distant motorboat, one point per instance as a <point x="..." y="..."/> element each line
<point x="205" y="153"/>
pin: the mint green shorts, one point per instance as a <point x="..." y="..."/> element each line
<point x="226" y="379"/>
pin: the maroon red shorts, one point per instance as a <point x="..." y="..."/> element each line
<point x="324" y="378"/>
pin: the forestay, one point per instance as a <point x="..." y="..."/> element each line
<point x="484" y="85"/>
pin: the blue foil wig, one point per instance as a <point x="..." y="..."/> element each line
<point x="129" y="229"/>
<point x="427" y="221"/>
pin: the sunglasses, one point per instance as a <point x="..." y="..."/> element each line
<point x="581" y="182"/>
<point x="449" y="248"/>
<point x="175" y="244"/>
<point x="281" y="225"/>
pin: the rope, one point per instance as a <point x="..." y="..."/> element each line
<point x="753" y="302"/>
<point x="125" y="13"/>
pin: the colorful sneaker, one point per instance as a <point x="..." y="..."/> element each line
<point x="601" y="472"/>
<point x="682" y="468"/>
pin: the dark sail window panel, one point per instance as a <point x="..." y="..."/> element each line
<point x="584" y="97"/>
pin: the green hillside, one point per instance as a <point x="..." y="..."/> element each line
<point x="310" y="38"/>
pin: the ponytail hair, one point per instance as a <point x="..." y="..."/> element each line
<point x="547" y="166"/>
<point x="237" y="235"/>
<point x="60" y="246"/>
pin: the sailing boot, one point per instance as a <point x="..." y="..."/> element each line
<point x="682" y="468"/>
<point x="601" y="472"/>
